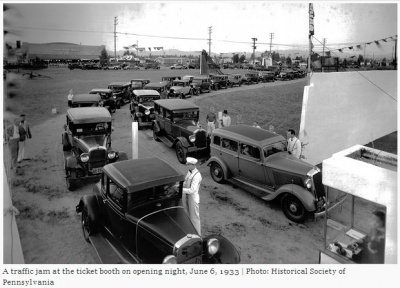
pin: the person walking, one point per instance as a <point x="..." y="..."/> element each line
<point x="211" y="120"/>
<point x="190" y="195"/>
<point x="13" y="142"/>
<point x="70" y="96"/>
<point x="25" y="133"/>
<point x="226" y="119"/>
<point x="293" y="144"/>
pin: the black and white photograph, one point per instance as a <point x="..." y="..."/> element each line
<point x="200" y="132"/>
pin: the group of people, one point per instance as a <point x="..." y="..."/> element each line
<point x="16" y="137"/>
<point x="211" y="119"/>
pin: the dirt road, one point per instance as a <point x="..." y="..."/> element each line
<point x="50" y="228"/>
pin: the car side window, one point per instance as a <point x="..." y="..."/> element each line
<point x="168" y="115"/>
<point x="230" y="145"/>
<point x="217" y="140"/>
<point x="250" y="151"/>
<point x="116" y="193"/>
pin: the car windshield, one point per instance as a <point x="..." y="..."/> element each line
<point x="197" y="81"/>
<point x="115" y="88"/>
<point x="146" y="100"/>
<point x="178" y="84"/>
<point x="274" y="148"/>
<point x="136" y="84"/>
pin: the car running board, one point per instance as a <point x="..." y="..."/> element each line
<point x="260" y="191"/>
<point x="166" y="141"/>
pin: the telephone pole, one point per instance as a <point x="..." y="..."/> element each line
<point x="115" y="37"/>
<point x="209" y="40"/>
<point x="254" y="50"/>
<point x="271" y="36"/>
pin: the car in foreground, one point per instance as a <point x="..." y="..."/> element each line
<point x="107" y="100"/>
<point x="257" y="161"/>
<point x="86" y="142"/>
<point x="200" y="84"/>
<point x="218" y="81"/>
<point x="85" y="100"/>
<point x="135" y="216"/>
<point x="180" y="89"/>
<point x="176" y="125"/>
<point x="142" y="107"/>
<point x="121" y="92"/>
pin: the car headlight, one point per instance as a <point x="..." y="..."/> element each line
<point x="115" y="97"/>
<point x="213" y="246"/>
<point x="307" y="183"/>
<point x="147" y="112"/>
<point x="111" y="154"/>
<point x="192" y="138"/>
<point x="84" y="157"/>
<point x="170" y="259"/>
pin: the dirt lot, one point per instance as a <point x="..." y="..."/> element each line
<point x="48" y="224"/>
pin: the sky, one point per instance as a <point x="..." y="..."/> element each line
<point x="185" y="25"/>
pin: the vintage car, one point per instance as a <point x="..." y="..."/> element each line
<point x="200" y="84"/>
<point x="160" y="87"/>
<point x="257" y="161"/>
<point x="152" y="65"/>
<point x="139" y="84"/>
<point x="170" y="79"/>
<point x="121" y="92"/>
<point x="85" y="100"/>
<point x="266" y="76"/>
<point x="131" y="67"/>
<point x="142" y="107"/>
<point x="87" y="144"/>
<point x="284" y="76"/>
<point x="176" y="125"/>
<point x="72" y="66"/>
<point x="180" y="89"/>
<point x="90" y="66"/>
<point x="235" y="79"/>
<point x="107" y="99"/>
<point x="218" y="81"/>
<point x="178" y="66"/>
<point x="250" y="77"/>
<point x="135" y="215"/>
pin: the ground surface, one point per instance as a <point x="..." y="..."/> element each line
<point x="48" y="224"/>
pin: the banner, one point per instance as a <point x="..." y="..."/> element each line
<point x="311" y="19"/>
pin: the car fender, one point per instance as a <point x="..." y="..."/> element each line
<point x="221" y="163"/>
<point x="72" y="162"/>
<point x="122" y="156"/>
<point x="91" y="202"/>
<point x="156" y="126"/>
<point x="183" y="140"/>
<point x="227" y="253"/>
<point x="304" y="195"/>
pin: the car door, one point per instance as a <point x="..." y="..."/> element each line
<point x="229" y="154"/>
<point x="251" y="165"/>
<point x="114" y="203"/>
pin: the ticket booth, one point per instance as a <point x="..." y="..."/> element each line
<point x="363" y="228"/>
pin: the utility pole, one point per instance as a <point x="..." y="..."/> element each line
<point x="395" y="54"/>
<point x="271" y="36"/>
<point x="209" y="40"/>
<point x="323" y="54"/>
<point x="254" y="50"/>
<point x="115" y="37"/>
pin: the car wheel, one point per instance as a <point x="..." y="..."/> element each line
<point x="216" y="87"/>
<point x="181" y="152"/>
<point x="87" y="227"/>
<point x="216" y="172"/>
<point x="240" y="84"/>
<point x="181" y="96"/>
<point x="231" y="85"/>
<point x="293" y="208"/>
<point x="155" y="137"/>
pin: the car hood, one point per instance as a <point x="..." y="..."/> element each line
<point x="288" y="163"/>
<point x="189" y="125"/>
<point x="88" y="142"/>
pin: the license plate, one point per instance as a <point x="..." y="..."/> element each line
<point x="96" y="170"/>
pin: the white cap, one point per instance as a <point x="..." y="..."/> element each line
<point x="191" y="160"/>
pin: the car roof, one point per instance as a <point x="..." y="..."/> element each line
<point x="176" y="104"/>
<point x="176" y="76"/>
<point x="249" y="134"/>
<point x="147" y="92"/>
<point x="140" y="80"/>
<point x="156" y="84"/>
<point x="139" y="174"/>
<point x="101" y="90"/>
<point x="119" y="83"/>
<point x="84" y="115"/>
<point x="182" y="81"/>
<point x="86" y="98"/>
<point x="201" y="77"/>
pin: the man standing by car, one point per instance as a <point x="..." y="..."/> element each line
<point x="211" y="119"/>
<point x="25" y="134"/>
<point x="293" y="144"/>
<point x="191" y="197"/>
<point x="70" y="96"/>
<point x="226" y="119"/>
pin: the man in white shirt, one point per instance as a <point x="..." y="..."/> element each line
<point x="226" y="119"/>
<point x="190" y="196"/>
<point x="70" y="96"/>
<point x="293" y="144"/>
